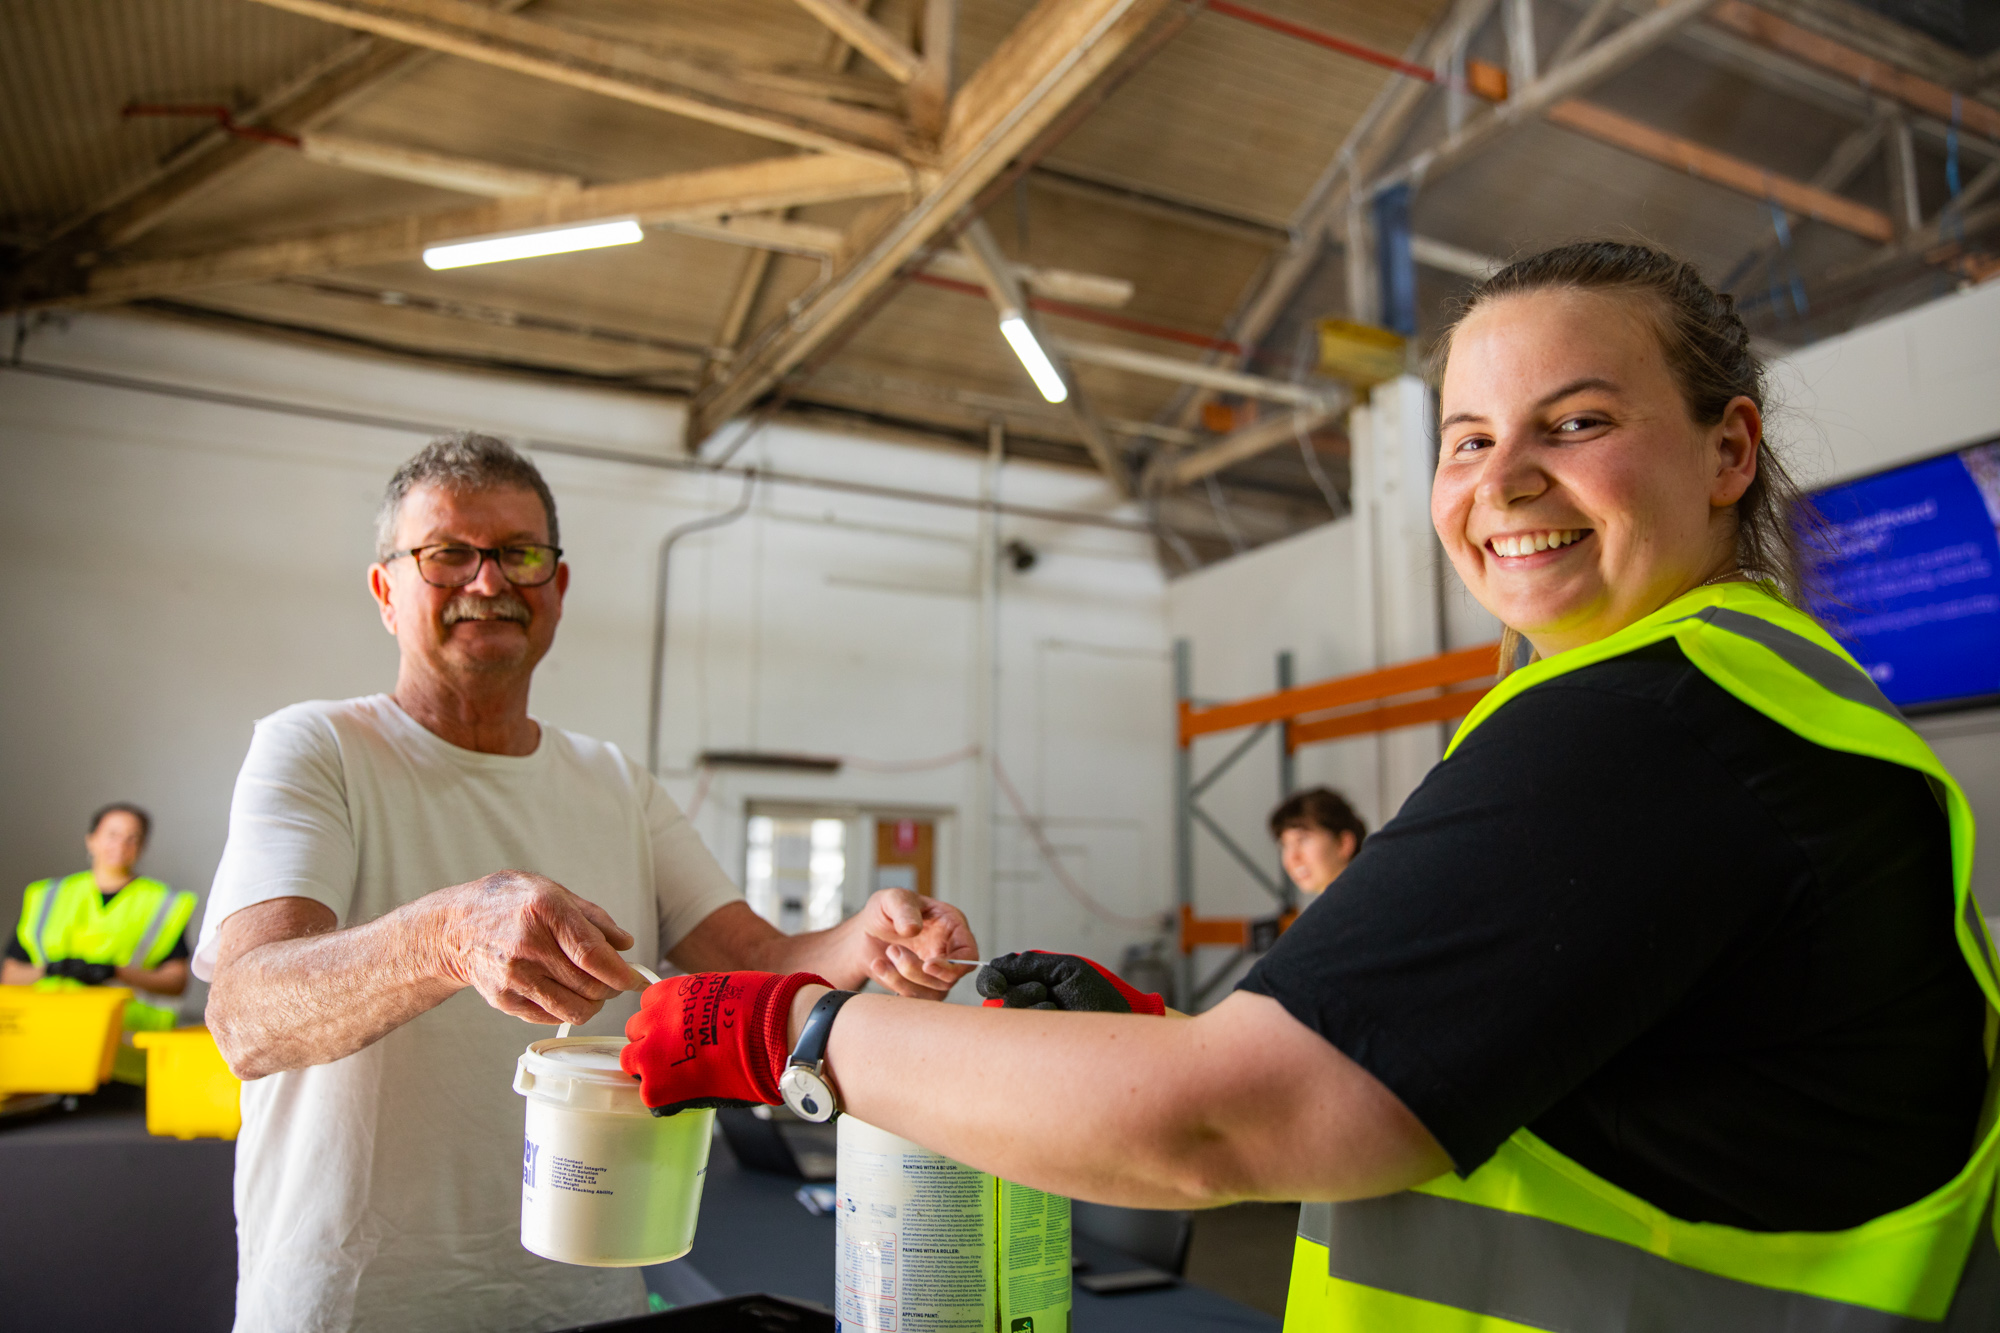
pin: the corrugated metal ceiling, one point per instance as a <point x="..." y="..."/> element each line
<point x="1223" y="133"/>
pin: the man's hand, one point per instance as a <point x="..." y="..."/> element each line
<point x="292" y="989"/>
<point x="901" y="936"/>
<point x="532" y="948"/>
<point x="889" y="940"/>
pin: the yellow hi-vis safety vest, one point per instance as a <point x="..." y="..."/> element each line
<point x="1531" y="1240"/>
<point x="66" y="917"/>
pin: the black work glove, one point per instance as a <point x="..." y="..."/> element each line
<point x="1037" y="980"/>
<point x="90" y="974"/>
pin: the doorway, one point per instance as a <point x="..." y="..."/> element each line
<point x="809" y="867"/>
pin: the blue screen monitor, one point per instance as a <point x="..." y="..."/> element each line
<point x="1909" y="573"/>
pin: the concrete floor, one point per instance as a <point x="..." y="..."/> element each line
<point x="1244" y="1252"/>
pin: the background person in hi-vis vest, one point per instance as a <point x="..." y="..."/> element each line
<point x="1662" y="1004"/>
<point x="108" y="926"/>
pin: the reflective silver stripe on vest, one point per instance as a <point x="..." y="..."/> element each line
<point x="1824" y="669"/>
<point x="152" y="937"/>
<point x="1976" y="1307"/>
<point x="1546" y="1275"/>
<point x="1973" y="920"/>
<point x="1316" y="1222"/>
<point x="41" y="930"/>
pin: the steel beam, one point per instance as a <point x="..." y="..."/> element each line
<point x="1183" y="371"/>
<point x="1236" y="852"/>
<point x="1601" y="61"/>
<point x="759" y="186"/>
<point x="1719" y="168"/>
<point x="1051" y="58"/>
<point x="1251" y="440"/>
<point x="1326" y="205"/>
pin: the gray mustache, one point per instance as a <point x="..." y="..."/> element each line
<point x="507" y="606"/>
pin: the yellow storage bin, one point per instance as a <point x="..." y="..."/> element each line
<point x="1361" y="354"/>
<point x="190" y="1093"/>
<point x="61" y="1040"/>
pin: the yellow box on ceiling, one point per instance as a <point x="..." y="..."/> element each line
<point x="1361" y="354"/>
<point x="59" y="1041"/>
<point x="190" y="1093"/>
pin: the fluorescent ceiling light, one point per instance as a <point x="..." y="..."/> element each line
<point x="1040" y="368"/>
<point x="526" y="245"/>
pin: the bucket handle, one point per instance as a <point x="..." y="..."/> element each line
<point x="652" y="979"/>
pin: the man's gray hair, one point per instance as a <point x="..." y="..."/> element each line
<point x="463" y="462"/>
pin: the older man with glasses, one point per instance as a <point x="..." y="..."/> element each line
<point x="405" y="870"/>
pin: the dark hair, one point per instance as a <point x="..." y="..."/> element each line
<point x="464" y="461"/>
<point x="1708" y="350"/>
<point x="127" y="808"/>
<point x="1319" y="808"/>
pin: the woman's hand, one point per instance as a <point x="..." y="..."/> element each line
<point x="1037" y="980"/>
<point x="712" y="1039"/>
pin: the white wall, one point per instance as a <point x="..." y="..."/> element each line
<point x="1904" y="388"/>
<point x="1311" y="595"/>
<point x="183" y="567"/>
<point x="1295" y="595"/>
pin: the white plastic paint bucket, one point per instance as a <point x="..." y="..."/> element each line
<point x="603" y="1181"/>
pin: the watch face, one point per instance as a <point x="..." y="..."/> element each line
<point x="806" y="1093"/>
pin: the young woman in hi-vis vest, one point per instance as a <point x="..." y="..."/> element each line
<point x="1662" y="1004"/>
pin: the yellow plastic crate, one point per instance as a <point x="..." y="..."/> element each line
<point x="1361" y="354"/>
<point x="190" y="1093"/>
<point x="59" y="1041"/>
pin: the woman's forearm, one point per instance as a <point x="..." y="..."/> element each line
<point x="1240" y="1103"/>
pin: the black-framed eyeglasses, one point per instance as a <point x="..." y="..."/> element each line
<point x="451" y="565"/>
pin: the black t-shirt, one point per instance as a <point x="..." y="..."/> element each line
<point x="19" y="952"/>
<point x="1704" y="957"/>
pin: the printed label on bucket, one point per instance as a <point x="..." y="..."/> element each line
<point x="530" y="1151"/>
<point x="568" y="1173"/>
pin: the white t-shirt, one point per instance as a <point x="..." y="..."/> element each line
<point x="383" y="1190"/>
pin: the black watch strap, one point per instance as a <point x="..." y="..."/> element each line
<point x="811" y="1049"/>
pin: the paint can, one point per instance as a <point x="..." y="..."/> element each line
<point x="924" y="1242"/>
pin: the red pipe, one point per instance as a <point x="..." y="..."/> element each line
<point x="1325" y="39"/>
<point x="1087" y="315"/>
<point x="224" y="118"/>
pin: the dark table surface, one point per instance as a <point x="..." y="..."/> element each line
<point x="755" y="1236"/>
<point x="107" y="1227"/>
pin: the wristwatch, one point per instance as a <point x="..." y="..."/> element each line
<point x="803" y="1085"/>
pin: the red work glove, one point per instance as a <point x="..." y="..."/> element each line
<point x="1037" y="980"/>
<point x="712" y="1039"/>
